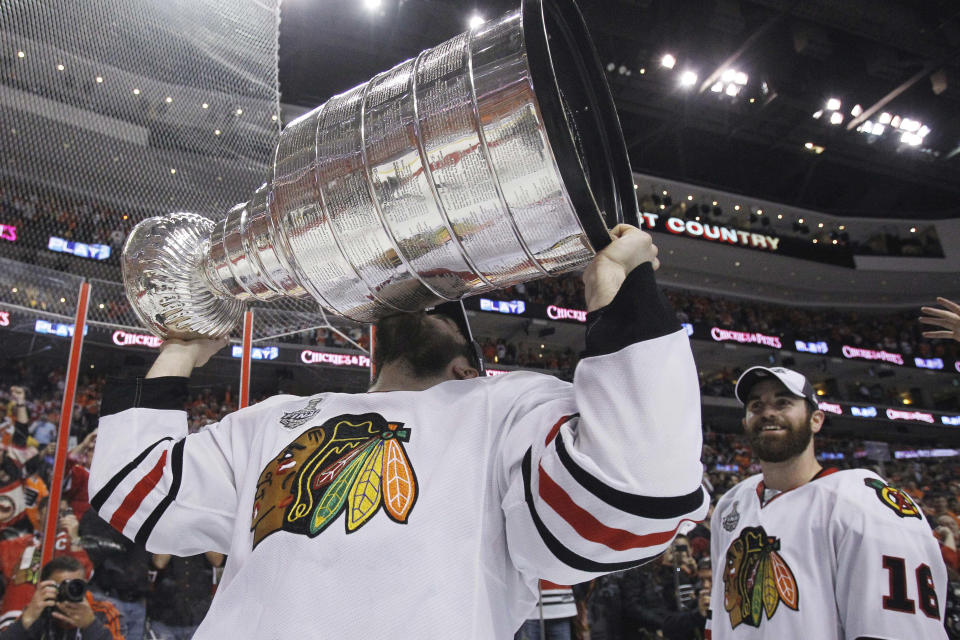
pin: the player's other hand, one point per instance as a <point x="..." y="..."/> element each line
<point x="629" y="248"/>
<point x="180" y="357"/>
<point x="200" y="350"/>
<point x="947" y="318"/>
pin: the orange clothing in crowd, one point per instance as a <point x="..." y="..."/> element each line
<point x="36" y="491"/>
<point x="917" y="494"/>
<point x="111" y="616"/>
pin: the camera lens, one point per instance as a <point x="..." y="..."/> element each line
<point x="72" y="590"/>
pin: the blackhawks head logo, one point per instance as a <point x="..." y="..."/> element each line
<point x="756" y="579"/>
<point x="350" y="463"/>
<point x="895" y="499"/>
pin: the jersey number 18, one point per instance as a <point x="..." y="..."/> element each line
<point x="897" y="600"/>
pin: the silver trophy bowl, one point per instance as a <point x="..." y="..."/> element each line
<point x="492" y="159"/>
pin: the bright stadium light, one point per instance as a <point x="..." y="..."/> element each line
<point x="911" y="139"/>
<point x="732" y="89"/>
<point x="833" y="104"/>
<point x="475" y="21"/>
<point x="668" y="61"/>
<point x="741" y="78"/>
<point x="856" y="111"/>
<point x="817" y="114"/>
<point x="717" y="87"/>
<point x="688" y="79"/>
<point x="836" y="117"/>
<point x="910" y="125"/>
<point x="728" y="75"/>
<point x="372" y="5"/>
<point x="884" y="118"/>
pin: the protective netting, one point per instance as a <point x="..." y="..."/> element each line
<point x="116" y="110"/>
<point x="28" y="293"/>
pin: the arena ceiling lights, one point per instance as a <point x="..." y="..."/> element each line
<point x="731" y="82"/>
<point x="909" y="132"/>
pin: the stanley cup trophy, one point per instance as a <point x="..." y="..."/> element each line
<point x="492" y="159"/>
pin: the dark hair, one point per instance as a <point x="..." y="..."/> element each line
<point x="407" y="337"/>
<point x="60" y="563"/>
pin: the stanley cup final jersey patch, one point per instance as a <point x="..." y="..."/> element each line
<point x="894" y="499"/>
<point x="352" y="463"/>
<point x="756" y="579"/>
<point x="300" y="417"/>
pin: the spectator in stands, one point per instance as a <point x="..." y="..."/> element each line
<point x="937" y="506"/>
<point x="121" y="575"/>
<point x="60" y="609"/>
<point x="44" y="428"/>
<point x="690" y="624"/>
<point x="15" y="498"/>
<point x="677" y="573"/>
<point x="620" y="606"/>
<point x="17" y="412"/>
<point x="555" y="613"/>
<point x="20" y="563"/>
<point x="182" y="593"/>
<point x="948" y="533"/>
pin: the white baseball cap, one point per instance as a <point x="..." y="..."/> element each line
<point x="795" y="382"/>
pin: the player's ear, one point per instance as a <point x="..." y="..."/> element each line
<point x="817" y="419"/>
<point x="743" y="424"/>
<point x="464" y="372"/>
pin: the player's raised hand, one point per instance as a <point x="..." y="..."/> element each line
<point x="629" y="248"/>
<point x="947" y="318"/>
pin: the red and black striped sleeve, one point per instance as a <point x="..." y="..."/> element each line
<point x="608" y="469"/>
<point x="159" y="486"/>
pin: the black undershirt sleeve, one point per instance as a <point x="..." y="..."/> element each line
<point x="120" y="394"/>
<point x="637" y="313"/>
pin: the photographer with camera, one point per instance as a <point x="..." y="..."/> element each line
<point x="62" y="608"/>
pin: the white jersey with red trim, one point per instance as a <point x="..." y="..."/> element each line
<point x="843" y="557"/>
<point x="425" y="514"/>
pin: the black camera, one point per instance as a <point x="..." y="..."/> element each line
<point x="72" y="590"/>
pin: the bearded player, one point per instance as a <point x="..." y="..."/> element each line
<point x="806" y="553"/>
<point x="428" y="507"/>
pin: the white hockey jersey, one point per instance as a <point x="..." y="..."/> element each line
<point x="842" y="557"/>
<point x="425" y="514"/>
